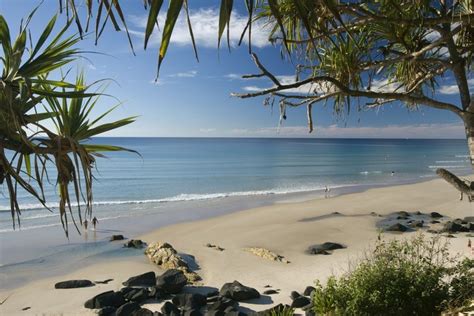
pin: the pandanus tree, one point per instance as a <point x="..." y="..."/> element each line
<point x="362" y="54"/>
<point x="46" y="121"/>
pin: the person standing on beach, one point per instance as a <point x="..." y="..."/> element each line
<point x="85" y="224"/>
<point x="94" y="222"/>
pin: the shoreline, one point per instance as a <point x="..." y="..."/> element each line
<point x="285" y="228"/>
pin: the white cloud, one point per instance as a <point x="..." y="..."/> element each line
<point x="205" y="28"/>
<point x="233" y="76"/>
<point x="207" y="130"/>
<point x="187" y="74"/>
<point x="382" y="85"/>
<point x="435" y="130"/>
<point x="453" y="89"/>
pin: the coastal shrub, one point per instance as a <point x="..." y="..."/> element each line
<point x="408" y="277"/>
<point x="285" y="311"/>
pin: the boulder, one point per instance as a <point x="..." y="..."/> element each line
<point x="190" y="301"/>
<point x="294" y="295"/>
<point x="221" y="304"/>
<point x="323" y="249"/>
<point x="107" y="311"/>
<point x="470" y="226"/>
<point x="134" y="294"/>
<point x="308" y="291"/>
<point x="165" y="256"/>
<point x="117" y="237"/>
<point x="469" y="219"/>
<point x="397" y="228"/>
<point x="143" y="312"/>
<point x="238" y="292"/>
<point x="134" y="243"/>
<point x="452" y="227"/>
<point x="172" y="281"/>
<point x="192" y="312"/>
<point x="145" y="279"/>
<point x="127" y="309"/>
<point x="300" y="301"/>
<point x="404" y="214"/>
<point x="416" y="224"/>
<point x="436" y="215"/>
<point x="270" y="292"/>
<point x="110" y="298"/>
<point x="73" y="284"/>
<point x="168" y="309"/>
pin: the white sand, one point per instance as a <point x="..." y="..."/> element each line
<point x="286" y="228"/>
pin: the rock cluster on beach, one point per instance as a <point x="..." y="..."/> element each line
<point x="266" y="254"/>
<point x="166" y="257"/>
<point x="433" y="222"/>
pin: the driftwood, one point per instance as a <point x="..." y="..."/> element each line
<point x="463" y="186"/>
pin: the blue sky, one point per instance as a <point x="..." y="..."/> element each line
<point x="193" y="99"/>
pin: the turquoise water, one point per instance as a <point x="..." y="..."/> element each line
<point x="175" y="170"/>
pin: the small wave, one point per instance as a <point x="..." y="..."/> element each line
<point x="447" y="166"/>
<point x="451" y="161"/>
<point x="6" y="230"/>
<point x="461" y="156"/>
<point x="184" y="197"/>
<point x="370" y="172"/>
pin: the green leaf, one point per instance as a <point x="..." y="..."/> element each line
<point x="44" y="36"/>
<point x="171" y="16"/>
<point x="152" y="18"/>
<point x="224" y="20"/>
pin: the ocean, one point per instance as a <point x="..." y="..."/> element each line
<point x="173" y="170"/>
<point x="182" y="179"/>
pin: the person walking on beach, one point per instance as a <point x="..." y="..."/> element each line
<point x="85" y="224"/>
<point x="94" y="222"/>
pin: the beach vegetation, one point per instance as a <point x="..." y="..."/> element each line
<point x="47" y="119"/>
<point x="415" y="276"/>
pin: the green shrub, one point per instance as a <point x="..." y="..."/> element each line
<point x="409" y="277"/>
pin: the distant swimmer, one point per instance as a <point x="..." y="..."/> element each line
<point x="94" y="222"/>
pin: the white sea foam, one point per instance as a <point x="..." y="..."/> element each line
<point x="181" y="198"/>
<point x="447" y="166"/>
<point x="371" y="172"/>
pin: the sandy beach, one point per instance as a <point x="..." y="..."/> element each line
<point x="287" y="229"/>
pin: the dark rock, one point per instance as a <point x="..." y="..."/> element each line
<point x="238" y="292"/>
<point x="104" y="281"/>
<point x="26" y="308"/>
<point x="309" y="312"/>
<point x="192" y="312"/>
<point x="169" y="309"/>
<point x="436" y="215"/>
<point x="109" y="298"/>
<point x="190" y="301"/>
<point x="404" y="214"/>
<point x="452" y="227"/>
<point x="267" y="286"/>
<point x="143" y="312"/>
<point x="135" y="243"/>
<point x="402" y="217"/>
<point x="117" y="237"/>
<point x="127" y="309"/>
<point x="156" y="293"/>
<point x="270" y="292"/>
<point x="72" y="284"/>
<point x="435" y="222"/>
<point x="232" y="311"/>
<point x="469" y="219"/>
<point x="418" y="213"/>
<point x="106" y="311"/>
<point x="215" y="313"/>
<point x="300" y="302"/>
<point x="324" y="249"/>
<point x="397" y="228"/>
<point x="212" y="293"/>
<point x="145" y="279"/>
<point x="416" y="224"/>
<point x="221" y="304"/>
<point x="459" y="221"/>
<point x="294" y="295"/>
<point x="308" y="291"/>
<point x="470" y="226"/>
<point x="212" y="299"/>
<point x="134" y="294"/>
<point x="172" y="281"/>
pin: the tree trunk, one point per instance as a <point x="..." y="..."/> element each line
<point x="464" y="186"/>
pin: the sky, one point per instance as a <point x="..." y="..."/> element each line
<point x="192" y="99"/>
